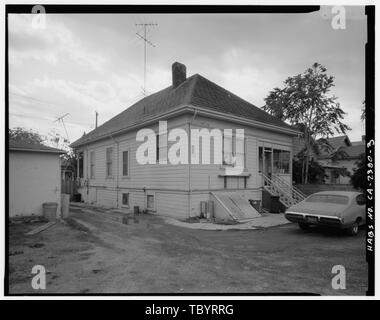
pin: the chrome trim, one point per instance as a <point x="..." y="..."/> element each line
<point x="315" y="215"/>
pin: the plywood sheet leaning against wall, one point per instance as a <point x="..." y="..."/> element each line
<point x="231" y="206"/>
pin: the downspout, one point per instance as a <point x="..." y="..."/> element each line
<point x="117" y="170"/>
<point x="87" y="179"/>
<point x="189" y="157"/>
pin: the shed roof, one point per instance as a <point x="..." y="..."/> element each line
<point x="32" y="147"/>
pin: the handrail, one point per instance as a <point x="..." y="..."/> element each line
<point x="296" y="190"/>
<point x="293" y="191"/>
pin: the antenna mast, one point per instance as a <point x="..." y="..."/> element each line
<point x="61" y="119"/>
<point x="144" y="38"/>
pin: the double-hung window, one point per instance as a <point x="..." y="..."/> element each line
<point x="109" y="153"/>
<point x="92" y="164"/>
<point x="125" y="163"/>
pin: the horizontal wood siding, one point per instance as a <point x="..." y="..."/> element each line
<point x="195" y="202"/>
<point x="175" y="194"/>
<point x="206" y="177"/>
<point x="172" y="204"/>
<point x="107" y="198"/>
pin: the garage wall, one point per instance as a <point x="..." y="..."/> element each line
<point x="34" y="178"/>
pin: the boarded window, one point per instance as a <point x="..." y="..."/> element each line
<point x="125" y="200"/>
<point x="125" y="163"/>
<point x="109" y="161"/>
<point x="92" y="164"/>
<point x="150" y="202"/>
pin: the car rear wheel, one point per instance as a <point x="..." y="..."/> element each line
<point x="303" y="226"/>
<point x="354" y="229"/>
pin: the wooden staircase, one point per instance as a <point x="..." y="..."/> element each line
<point x="288" y="194"/>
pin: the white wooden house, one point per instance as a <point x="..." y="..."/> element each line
<point x="112" y="177"/>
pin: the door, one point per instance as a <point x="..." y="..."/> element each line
<point x="268" y="162"/>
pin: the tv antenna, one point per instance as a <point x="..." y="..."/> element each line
<point x="146" y="41"/>
<point x="60" y="119"/>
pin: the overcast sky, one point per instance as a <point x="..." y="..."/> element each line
<point x="80" y="64"/>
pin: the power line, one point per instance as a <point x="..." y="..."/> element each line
<point x="144" y="38"/>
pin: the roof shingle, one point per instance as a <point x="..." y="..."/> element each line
<point x="195" y="91"/>
<point x="25" y="146"/>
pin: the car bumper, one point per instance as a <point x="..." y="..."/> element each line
<point x="312" y="219"/>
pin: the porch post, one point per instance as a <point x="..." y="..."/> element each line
<point x="78" y="175"/>
<point x="271" y="161"/>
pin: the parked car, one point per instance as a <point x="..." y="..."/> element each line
<point x="341" y="209"/>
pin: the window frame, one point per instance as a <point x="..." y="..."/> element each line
<point x="122" y="200"/>
<point x="92" y="164"/>
<point x="109" y="162"/>
<point x="128" y="164"/>
<point x="224" y="162"/>
<point x="150" y="194"/>
<point x="234" y="152"/>
<point x="261" y="158"/>
<point x="281" y="161"/>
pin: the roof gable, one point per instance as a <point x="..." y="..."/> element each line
<point x="335" y="143"/>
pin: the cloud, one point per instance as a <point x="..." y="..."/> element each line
<point x="83" y="63"/>
<point x="54" y="44"/>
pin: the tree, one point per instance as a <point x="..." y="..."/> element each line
<point x="316" y="173"/>
<point x="53" y="139"/>
<point x="358" y="178"/>
<point x="362" y="117"/>
<point x="339" y="154"/>
<point x="20" y="134"/>
<point x="306" y="101"/>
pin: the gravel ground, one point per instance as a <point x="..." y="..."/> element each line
<point x="95" y="254"/>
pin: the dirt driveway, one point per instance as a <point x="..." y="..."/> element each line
<point x="103" y="256"/>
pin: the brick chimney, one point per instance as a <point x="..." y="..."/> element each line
<point x="178" y="73"/>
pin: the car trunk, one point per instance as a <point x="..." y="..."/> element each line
<point x="317" y="208"/>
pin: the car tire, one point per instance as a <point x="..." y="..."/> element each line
<point x="354" y="229"/>
<point x="303" y="226"/>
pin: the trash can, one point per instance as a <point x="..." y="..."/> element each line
<point x="77" y="197"/>
<point x="50" y="210"/>
<point x="210" y="210"/>
<point x="275" y="204"/>
<point x="256" y="204"/>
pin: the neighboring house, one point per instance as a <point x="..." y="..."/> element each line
<point x="67" y="170"/>
<point x="113" y="178"/>
<point x="349" y="155"/>
<point x="34" y="178"/>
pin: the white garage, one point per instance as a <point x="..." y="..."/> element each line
<point x="34" y="178"/>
